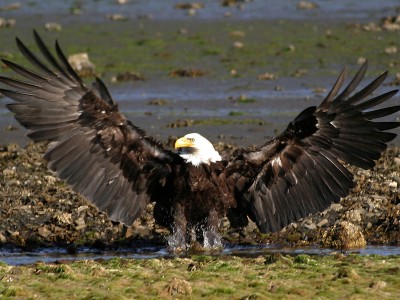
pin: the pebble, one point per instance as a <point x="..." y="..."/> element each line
<point x="378" y="285"/>
<point x="43" y="231"/>
<point x="397" y="161"/>
<point x="322" y="223"/>
<point x="51" y="26"/>
<point x="80" y="223"/>
<point x="3" y="239"/>
<point x="80" y="63"/>
<point x="238" y="45"/>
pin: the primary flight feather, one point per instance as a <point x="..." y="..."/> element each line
<point x="120" y="169"/>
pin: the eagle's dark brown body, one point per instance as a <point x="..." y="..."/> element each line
<point x="116" y="166"/>
<point x="200" y="197"/>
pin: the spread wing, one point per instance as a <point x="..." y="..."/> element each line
<point x="93" y="147"/>
<point x="301" y="171"/>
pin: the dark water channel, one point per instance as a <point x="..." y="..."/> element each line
<point x="49" y="255"/>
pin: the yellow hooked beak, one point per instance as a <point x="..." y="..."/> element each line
<point x="183" y="142"/>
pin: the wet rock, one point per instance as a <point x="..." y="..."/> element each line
<point x="81" y="64"/>
<point x="344" y="235"/>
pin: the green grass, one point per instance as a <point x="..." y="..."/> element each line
<point x="301" y="277"/>
<point x="156" y="48"/>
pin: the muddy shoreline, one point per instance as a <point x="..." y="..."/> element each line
<point x="38" y="210"/>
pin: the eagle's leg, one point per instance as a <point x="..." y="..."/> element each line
<point x="177" y="241"/>
<point x="212" y="238"/>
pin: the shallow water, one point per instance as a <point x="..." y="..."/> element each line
<point x="204" y="99"/>
<point x="266" y="9"/>
<point x="48" y="255"/>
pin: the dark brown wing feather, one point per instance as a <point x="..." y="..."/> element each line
<point x="93" y="147"/>
<point x="301" y="171"/>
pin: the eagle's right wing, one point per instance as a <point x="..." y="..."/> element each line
<point x="301" y="171"/>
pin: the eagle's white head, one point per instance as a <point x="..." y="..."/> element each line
<point x="196" y="149"/>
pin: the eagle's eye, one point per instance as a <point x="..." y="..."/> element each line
<point x="191" y="139"/>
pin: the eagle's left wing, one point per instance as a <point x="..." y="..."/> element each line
<point x="301" y="171"/>
<point x="93" y="147"/>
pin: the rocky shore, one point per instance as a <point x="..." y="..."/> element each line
<point x="39" y="210"/>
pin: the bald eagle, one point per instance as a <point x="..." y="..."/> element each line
<point x="120" y="169"/>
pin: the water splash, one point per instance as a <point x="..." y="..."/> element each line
<point x="212" y="239"/>
<point x="177" y="241"/>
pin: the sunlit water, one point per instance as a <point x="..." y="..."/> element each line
<point x="15" y="257"/>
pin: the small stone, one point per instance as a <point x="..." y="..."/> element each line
<point x="43" y="231"/>
<point x="266" y="76"/>
<point x="237" y="33"/>
<point x="51" y="26"/>
<point x="361" y="60"/>
<point x="63" y="218"/>
<point x="346" y="272"/>
<point x="116" y="17"/>
<point x="378" y="285"/>
<point x="80" y="223"/>
<point x="307" y="5"/>
<point x="391" y="50"/>
<point x="81" y="64"/>
<point x="9" y="172"/>
<point x="238" y="45"/>
<point x="7" y="22"/>
<point x="3" y="239"/>
<point x="177" y="286"/>
<point x="336" y="207"/>
<point x="311" y="226"/>
<point x="322" y="223"/>
<point x="393" y="184"/>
